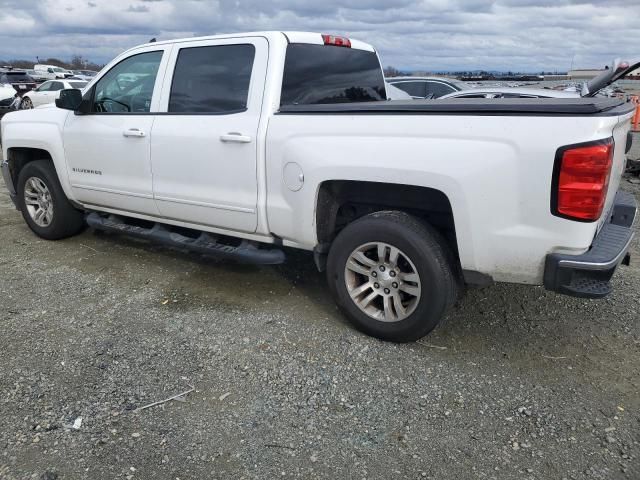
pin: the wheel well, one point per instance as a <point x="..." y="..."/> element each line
<point x="19" y="157"/>
<point x="342" y="201"/>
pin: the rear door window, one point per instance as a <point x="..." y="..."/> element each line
<point x="212" y="79"/>
<point x="316" y="74"/>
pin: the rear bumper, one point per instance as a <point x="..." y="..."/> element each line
<point x="588" y="275"/>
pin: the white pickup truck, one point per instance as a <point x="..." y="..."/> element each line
<point x="241" y="145"/>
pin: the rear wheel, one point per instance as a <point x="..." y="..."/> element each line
<point x="44" y="205"/>
<point x="392" y="275"/>
<point x="26" y="103"/>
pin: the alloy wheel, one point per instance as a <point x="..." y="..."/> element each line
<point x="37" y="199"/>
<point x="382" y="281"/>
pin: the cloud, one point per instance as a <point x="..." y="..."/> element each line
<point x="138" y="9"/>
<point x="526" y="35"/>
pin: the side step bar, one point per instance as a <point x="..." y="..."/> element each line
<point x="204" y="243"/>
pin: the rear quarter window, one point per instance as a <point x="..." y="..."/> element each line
<point x="315" y="74"/>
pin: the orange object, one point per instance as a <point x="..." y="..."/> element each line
<point x="635" y="120"/>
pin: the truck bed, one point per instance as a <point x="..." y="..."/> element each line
<point x="473" y="106"/>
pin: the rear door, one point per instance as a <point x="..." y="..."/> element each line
<point x="204" y="148"/>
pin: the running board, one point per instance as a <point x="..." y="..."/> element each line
<point x="205" y="243"/>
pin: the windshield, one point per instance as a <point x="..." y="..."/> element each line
<point x="78" y="85"/>
<point x="58" y="69"/>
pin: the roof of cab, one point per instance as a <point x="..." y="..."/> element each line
<point x="292" y="37"/>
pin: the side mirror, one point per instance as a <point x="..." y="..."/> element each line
<point x="70" y="99"/>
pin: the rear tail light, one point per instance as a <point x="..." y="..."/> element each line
<point x="581" y="179"/>
<point x="336" y="41"/>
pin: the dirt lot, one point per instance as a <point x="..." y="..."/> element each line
<point x="519" y="383"/>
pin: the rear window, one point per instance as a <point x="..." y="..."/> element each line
<point x="316" y="74"/>
<point x="15" y="77"/>
<point x="78" y="85"/>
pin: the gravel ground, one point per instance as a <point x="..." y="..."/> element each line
<point x="518" y="383"/>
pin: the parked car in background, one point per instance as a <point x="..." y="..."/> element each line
<point x="51" y="72"/>
<point x="7" y="95"/>
<point x="394" y="93"/>
<point x="18" y="79"/>
<point x="600" y="85"/>
<point x="428" y="87"/>
<point x="14" y="83"/>
<point x="37" y="76"/>
<point x="512" y="92"/>
<point x="85" y="75"/>
<point x="48" y="92"/>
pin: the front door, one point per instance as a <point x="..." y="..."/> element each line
<point x="204" y="148"/>
<point x="107" y="149"/>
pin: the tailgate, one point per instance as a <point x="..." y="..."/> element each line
<point x="620" y="133"/>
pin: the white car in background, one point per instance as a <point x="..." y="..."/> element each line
<point x="52" y="72"/>
<point x="512" y="92"/>
<point x="86" y="75"/>
<point x="38" y="76"/>
<point x="7" y="95"/>
<point x="428" y="87"/>
<point x="394" y="93"/>
<point x="600" y="85"/>
<point x="48" y="92"/>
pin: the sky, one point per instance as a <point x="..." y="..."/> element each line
<point x="431" y="35"/>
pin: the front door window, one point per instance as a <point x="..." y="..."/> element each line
<point x="127" y="87"/>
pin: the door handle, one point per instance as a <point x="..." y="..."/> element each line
<point x="235" y="137"/>
<point x="133" y="132"/>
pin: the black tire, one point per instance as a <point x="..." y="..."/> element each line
<point x="424" y="247"/>
<point x="26" y="103"/>
<point x="67" y="220"/>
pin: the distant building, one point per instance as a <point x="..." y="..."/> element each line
<point x="586" y="74"/>
<point x="556" y="77"/>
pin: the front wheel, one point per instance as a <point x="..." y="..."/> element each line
<point x="392" y="275"/>
<point x="44" y="205"/>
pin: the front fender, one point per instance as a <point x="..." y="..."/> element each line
<point x="38" y="129"/>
